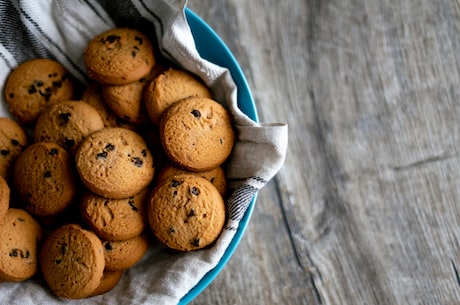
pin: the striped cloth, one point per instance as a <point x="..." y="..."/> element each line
<point x="61" y="30"/>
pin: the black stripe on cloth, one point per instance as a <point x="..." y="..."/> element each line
<point x="16" y="38"/>
<point x="239" y="201"/>
<point x="253" y="178"/>
<point x="96" y="12"/>
<point x="51" y="41"/>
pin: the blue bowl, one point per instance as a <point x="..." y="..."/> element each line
<point x="211" y="47"/>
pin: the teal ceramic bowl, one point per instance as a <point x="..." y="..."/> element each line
<point x="211" y="47"/>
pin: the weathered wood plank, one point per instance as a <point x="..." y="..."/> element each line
<point x="364" y="210"/>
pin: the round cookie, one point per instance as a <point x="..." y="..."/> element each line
<point x="5" y="193"/>
<point x="216" y="176"/>
<point x="67" y="124"/>
<point x="109" y="280"/>
<point x="186" y="212"/>
<point x="170" y="87"/>
<point x="72" y="262"/>
<point x="119" y="56"/>
<point x="44" y="178"/>
<point x="34" y="85"/>
<point x="197" y="134"/>
<point x="114" y="219"/>
<point x="115" y="163"/>
<point x="121" y="255"/>
<point x="20" y="234"/>
<point x="93" y="96"/>
<point x="13" y="139"/>
<point x="125" y="101"/>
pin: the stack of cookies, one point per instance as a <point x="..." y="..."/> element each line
<point x="97" y="176"/>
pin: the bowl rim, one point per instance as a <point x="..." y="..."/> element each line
<point x="200" y="28"/>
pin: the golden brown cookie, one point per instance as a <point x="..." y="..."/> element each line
<point x="67" y="124"/>
<point x="186" y="212"/>
<point x="121" y="255"/>
<point x="5" y="193"/>
<point x="126" y="101"/>
<point x="115" y="163"/>
<point x="216" y="176"/>
<point x="109" y="280"/>
<point x="72" y="262"/>
<point x="35" y="85"/>
<point x="93" y="96"/>
<point x="20" y="235"/>
<point x="119" y="56"/>
<point x="115" y="219"/>
<point x="13" y="139"/>
<point x="44" y="178"/>
<point x="170" y="87"/>
<point x="197" y="134"/>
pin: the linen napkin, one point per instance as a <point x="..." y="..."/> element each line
<point x="61" y="30"/>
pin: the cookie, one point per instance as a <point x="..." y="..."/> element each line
<point x="119" y="56"/>
<point x="67" y="124"/>
<point x="109" y="280"/>
<point x="20" y="234"/>
<point x="115" y="163"/>
<point x="13" y="139"/>
<point x="121" y="255"/>
<point x="186" y="212"/>
<point x="197" y="134"/>
<point x="126" y="101"/>
<point x="5" y="193"/>
<point x="35" y="85"/>
<point x="216" y="176"/>
<point x="44" y="178"/>
<point x="114" y="219"/>
<point x="72" y="262"/>
<point x="93" y="96"/>
<point x="170" y="87"/>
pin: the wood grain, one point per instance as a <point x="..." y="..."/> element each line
<point x="364" y="210"/>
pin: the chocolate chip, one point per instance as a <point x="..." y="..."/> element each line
<point x="138" y="39"/>
<point x="21" y="219"/>
<point x="26" y="254"/>
<point x="38" y="83"/>
<point x="191" y="213"/>
<point x="4" y="152"/>
<point x="221" y="141"/>
<point x="196" y="113"/>
<point x="174" y="193"/>
<point x="195" y="191"/>
<point x="57" y="84"/>
<point x="14" y="252"/>
<point x="212" y="179"/>
<point x="131" y="204"/>
<point x="108" y="246"/>
<point x="53" y="151"/>
<point x="47" y="174"/>
<point x="32" y="89"/>
<point x="144" y="153"/>
<point x="11" y="95"/>
<point x="65" y="117"/>
<point x="110" y="39"/>
<point x="58" y="261"/>
<point x="137" y="161"/>
<point x="171" y="230"/>
<point x="196" y="242"/>
<point x="52" y="75"/>
<point x="106" y="203"/>
<point x="69" y="143"/>
<point x="175" y="183"/>
<point x="102" y="155"/>
<point x="15" y="142"/>
<point x="110" y="147"/>
<point x="133" y="54"/>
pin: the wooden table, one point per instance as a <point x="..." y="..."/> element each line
<point x="364" y="210"/>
